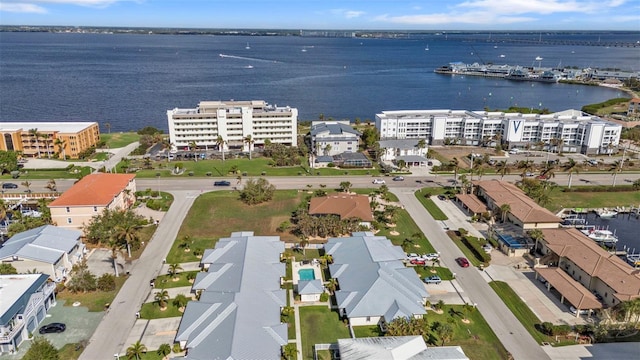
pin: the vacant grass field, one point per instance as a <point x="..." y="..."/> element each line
<point x="560" y="199"/>
<point x="118" y="140"/>
<point x="95" y="300"/>
<point x="321" y="326"/>
<point x="218" y="214"/>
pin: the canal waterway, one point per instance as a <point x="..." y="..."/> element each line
<point x="626" y="227"/>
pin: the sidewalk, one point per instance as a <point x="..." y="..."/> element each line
<point x="109" y="164"/>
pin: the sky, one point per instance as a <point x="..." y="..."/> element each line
<point x="330" y="14"/>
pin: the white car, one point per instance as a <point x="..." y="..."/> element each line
<point x="582" y="312"/>
<point x="431" y="257"/>
<point x="412" y="256"/>
<point x="378" y="181"/>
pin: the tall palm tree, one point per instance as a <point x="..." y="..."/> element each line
<point x="136" y="350"/>
<point x="115" y="249"/>
<point x="51" y="185"/>
<point x="535" y="234"/>
<point x="60" y="143"/>
<point x="422" y="143"/>
<point x="503" y="169"/>
<point x="27" y="184"/>
<point x="615" y="168"/>
<point x="455" y="164"/>
<point x="46" y="137"/>
<point x="220" y="141"/>
<point x="36" y="135"/>
<point x="126" y="234"/>
<point x="249" y="141"/>
<point x="327" y="149"/>
<point x="193" y="147"/>
<point x="504" y="210"/>
<point x="571" y="167"/>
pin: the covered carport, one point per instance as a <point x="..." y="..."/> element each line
<point x="571" y="290"/>
<point x="472" y="203"/>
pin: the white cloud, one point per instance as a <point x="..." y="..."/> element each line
<point x="22" y="8"/>
<point x="540" y="6"/>
<point x="479" y="18"/>
<point x="35" y="4"/>
<point x="349" y="14"/>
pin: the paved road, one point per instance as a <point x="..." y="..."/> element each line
<point x="111" y="334"/>
<point x="509" y="330"/>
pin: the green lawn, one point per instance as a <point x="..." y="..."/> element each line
<point x="559" y="199"/>
<point x="95" y="300"/>
<point x="406" y="228"/>
<point x="367" y="331"/>
<point x="118" y="140"/>
<point x="152" y="310"/>
<point x="320" y="326"/>
<point x="218" y="214"/>
<point x="443" y="272"/>
<point x="428" y="204"/>
<point x="31" y="174"/>
<point x="68" y="352"/>
<point x="477" y="339"/>
<point x="166" y="281"/>
<point x="521" y="311"/>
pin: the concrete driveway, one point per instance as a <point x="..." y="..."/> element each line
<point x="99" y="262"/>
<point x="153" y="333"/>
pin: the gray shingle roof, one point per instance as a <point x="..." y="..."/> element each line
<point x="399" y="144"/>
<point x="46" y="243"/>
<point x="238" y="314"/>
<point x="373" y="280"/>
<point x="333" y="129"/>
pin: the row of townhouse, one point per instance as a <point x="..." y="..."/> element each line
<point x="578" y="131"/>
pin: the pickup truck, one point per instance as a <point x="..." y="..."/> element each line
<point x="433" y="279"/>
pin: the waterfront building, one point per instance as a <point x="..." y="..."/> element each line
<point x="237" y="315"/>
<point x="634" y="107"/>
<point x="330" y="138"/>
<point x="26" y="298"/>
<point x="46" y="139"/>
<point x="566" y="131"/>
<point x="46" y="249"/>
<point x="234" y="121"/>
<point x="90" y="196"/>
<point x="408" y="150"/>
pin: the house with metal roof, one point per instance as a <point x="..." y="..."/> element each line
<point x="238" y="313"/>
<point x="46" y="249"/>
<point x="396" y="348"/>
<point x="375" y="286"/>
<point x="90" y="196"/>
<point x="309" y="290"/>
<point x="406" y="150"/>
<point x="25" y="300"/>
<point x="333" y="137"/>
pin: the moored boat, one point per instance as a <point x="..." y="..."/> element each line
<point x="606" y="213"/>
<point x="601" y="236"/>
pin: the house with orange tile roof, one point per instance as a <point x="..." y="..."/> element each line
<point x="344" y="205"/>
<point x="90" y="196"/>
<point x="578" y="268"/>
<point x="524" y="212"/>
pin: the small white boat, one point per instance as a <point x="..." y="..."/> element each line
<point x="426" y="48"/>
<point x="502" y="55"/>
<point x="249" y="67"/>
<point x="247" y="47"/>
<point x="538" y="58"/>
<point x="601" y="236"/>
<point x="606" y="213"/>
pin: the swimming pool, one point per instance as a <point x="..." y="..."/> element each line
<point x="306" y="274"/>
<point x="511" y="241"/>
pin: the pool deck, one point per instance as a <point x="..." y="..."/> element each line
<point x="314" y="264"/>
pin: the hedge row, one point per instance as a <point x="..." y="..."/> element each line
<point x="475" y="245"/>
<point x="600" y="188"/>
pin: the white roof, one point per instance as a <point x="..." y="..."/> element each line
<point x="63" y="127"/>
<point x="13" y="287"/>
<point x="396" y="348"/>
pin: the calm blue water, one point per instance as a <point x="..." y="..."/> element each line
<point x="131" y="80"/>
<point x="626" y="227"/>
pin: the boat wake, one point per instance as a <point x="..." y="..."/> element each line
<point x="247" y="58"/>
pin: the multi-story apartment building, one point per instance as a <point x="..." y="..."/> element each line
<point x="46" y="139"/>
<point x="567" y="131"/>
<point x="333" y="137"/>
<point x="234" y="121"/>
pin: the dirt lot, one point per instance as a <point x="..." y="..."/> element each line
<point x="461" y="152"/>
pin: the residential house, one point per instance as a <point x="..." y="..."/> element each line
<point x="46" y="139"/>
<point x="25" y="300"/>
<point x="90" y="196"/>
<point x="344" y="205"/>
<point x="634" y="107"/>
<point x="407" y="150"/>
<point x="375" y="286"/>
<point x="333" y="137"/>
<point x="351" y="160"/>
<point x="46" y="249"/>
<point x="238" y="313"/>
<point x="396" y="348"/>
<point x="578" y="268"/>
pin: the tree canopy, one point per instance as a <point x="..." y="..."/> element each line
<point x="257" y="191"/>
<point x="8" y="162"/>
<point x="41" y="349"/>
<point x="104" y="227"/>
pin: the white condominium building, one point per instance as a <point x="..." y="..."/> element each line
<point x="233" y="121"/>
<point x="572" y="130"/>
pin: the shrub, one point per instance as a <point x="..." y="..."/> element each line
<point x="475" y="246"/>
<point x="107" y="282"/>
<point x="546" y="328"/>
<point x="324" y="297"/>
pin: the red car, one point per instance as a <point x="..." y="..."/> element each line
<point x="418" y="262"/>
<point x="462" y="262"/>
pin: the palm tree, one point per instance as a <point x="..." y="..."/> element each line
<point x="502" y="168"/>
<point x="126" y="234"/>
<point x="60" y="143"/>
<point x="444" y="332"/>
<point x="161" y="298"/>
<point x="221" y="142"/>
<point x="27" y="184"/>
<point x="35" y="134"/>
<point x="180" y="301"/>
<point x="249" y="141"/>
<point x="193" y="146"/>
<point x="536" y="234"/>
<point x="571" y="167"/>
<point x="467" y="309"/>
<point x="136" y="350"/>
<point x="332" y="285"/>
<point x="303" y="243"/>
<point x="422" y="143"/>
<point x="615" y="168"/>
<point x="46" y="137"/>
<point x="327" y="149"/>
<point x="164" y="350"/>
<point x="290" y="351"/>
<point x="504" y="210"/>
<point x="402" y="164"/>
<point x="115" y="249"/>
<point x="455" y="164"/>
<point x="174" y="270"/>
<point x="345" y="186"/>
<point x="636" y="185"/>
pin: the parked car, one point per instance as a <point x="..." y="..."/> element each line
<point x="412" y="256"/>
<point x="462" y="262"/>
<point x="222" y="183"/>
<point x="431" y="257"/>
<point x="398" y="178"/>
<point x="378" y="181"/>
<point x="9" y="186"/>
<point x="433" y="279"/>
<point x="418" y="261"/>
<point x="574" y="310"/>
<point x="52" y="328"/>
<point x="442" y="197"/>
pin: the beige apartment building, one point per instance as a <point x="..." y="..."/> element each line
<point x="90" y="196"/>
<point x="46" y="139"/>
